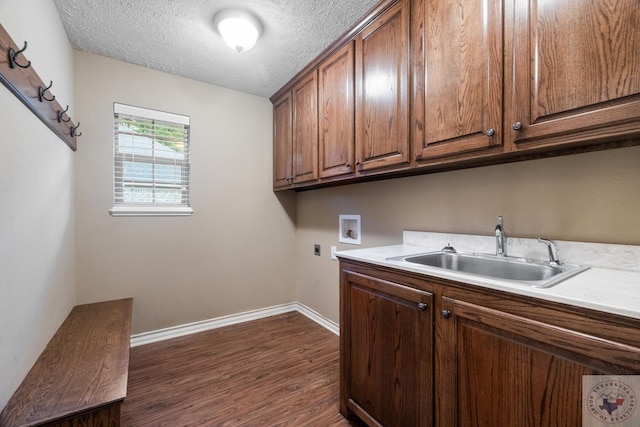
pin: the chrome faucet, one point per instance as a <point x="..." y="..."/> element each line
<point x="553" y="259"/>
<point x="501" y="238"/>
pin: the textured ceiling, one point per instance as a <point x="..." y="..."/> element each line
<point x="177" y="36"/>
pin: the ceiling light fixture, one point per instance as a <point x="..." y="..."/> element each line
<point x="238" y="28"/>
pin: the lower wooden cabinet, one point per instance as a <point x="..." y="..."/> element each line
<point x="494" y="359"/>
<point x="503" y="369"/>
<point x="386" y="352"/>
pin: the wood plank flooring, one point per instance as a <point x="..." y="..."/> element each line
<point x="277" y="371"/>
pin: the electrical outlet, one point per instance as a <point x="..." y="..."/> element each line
<point x="316" y="249"/>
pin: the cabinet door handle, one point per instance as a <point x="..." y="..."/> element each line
<point x="517" y="126"/>
<point x="422" y="306"/>
<point x="490" y="132"/>
<point x="445" y="314"/>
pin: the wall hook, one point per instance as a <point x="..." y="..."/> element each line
<point x="74" y="129"/>
<point x="61" y="113"/>
<point x="13" y="55"/>
<point x="42" y="92"/>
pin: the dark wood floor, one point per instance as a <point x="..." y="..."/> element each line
<point x="277" y="371"/>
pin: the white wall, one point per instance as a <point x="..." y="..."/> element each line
<point x="233" y="255"/>
<point x="37" y="267"/>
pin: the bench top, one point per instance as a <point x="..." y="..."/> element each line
<point x="84" y="366"/>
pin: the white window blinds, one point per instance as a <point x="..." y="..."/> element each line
<point x="151" y="162"/>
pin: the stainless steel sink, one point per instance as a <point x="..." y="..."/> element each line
<point x="523" y="271"/>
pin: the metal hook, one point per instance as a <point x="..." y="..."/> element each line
<point x="45" y="89"/>
<point x="12" y="57"/>
<point x="61" y="113"/>
<point x="73" y="130"/>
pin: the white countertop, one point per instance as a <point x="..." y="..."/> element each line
<point x="609" y="290"/>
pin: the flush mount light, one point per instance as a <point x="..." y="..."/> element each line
<point x="238" y="28"/>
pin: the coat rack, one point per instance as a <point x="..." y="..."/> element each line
<point x="18" y="75"/>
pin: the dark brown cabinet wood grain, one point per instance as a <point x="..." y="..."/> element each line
<point x="295" y="134"/>
<point x="447" y="84"/>
<point x="499" y="359"/>
<point x="386" y="352"/>
<point x="457" y="53"/>
<point x="282" y="142"/>
<point x="349" y="109"/>
<point x="305" y="129"/>
<point x="494" y="357"/>
<point x="337" y="113"/>
<point x="382" y="104"/>
<point x="566" y="69"/>
<point x="363" y="99"/>
<point x="572" y="72"/>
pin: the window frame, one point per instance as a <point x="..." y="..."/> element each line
<point x="153" y="208"/>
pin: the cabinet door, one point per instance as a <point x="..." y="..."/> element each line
<point x="457" y="52"/>
<point x="382" y="137"/>
<point x="575" y="71"/>
<point x="305" y="129"/>
<point x="337" y="111"/>
<point x="386" y="352"/>
<point x="282" y="142"/>
<point x="503" y="370"/>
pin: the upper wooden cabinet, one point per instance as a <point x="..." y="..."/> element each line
<point x="428" y="85"/>
<point x="457" y="60"/>
<point x="337" y="109"/>
<point x="282" y="141"/>
<point x="348" y="112"/>
<point x="572" y="72"/>
<point x="305" y="129"/>
<point x="295" y="134"/>
<point x="382" y="104"/>
<point x="564" y="76"/>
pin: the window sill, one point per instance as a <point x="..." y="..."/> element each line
<point x="151" y="211"/>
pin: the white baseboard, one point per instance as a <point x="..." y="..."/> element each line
<point x="318" y="318"/>
<point x="219" y="322"/>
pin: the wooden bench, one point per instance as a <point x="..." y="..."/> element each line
<point x="80" y="379"/>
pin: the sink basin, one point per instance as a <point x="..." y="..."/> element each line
<point x="522" y="271"/>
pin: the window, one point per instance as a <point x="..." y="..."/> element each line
<point x="151" y="162"/>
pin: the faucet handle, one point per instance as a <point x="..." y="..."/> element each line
<point x="449" y="249"/>
<point x="553" y="259"/>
